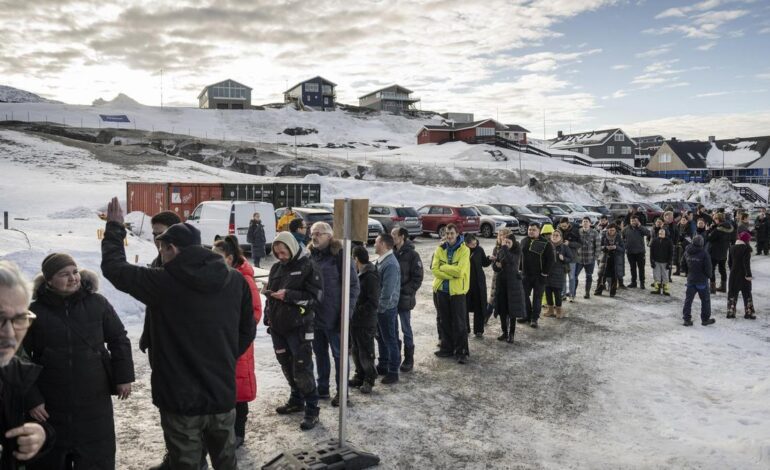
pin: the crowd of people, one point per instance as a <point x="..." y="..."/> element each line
<point x="56" y="389"/>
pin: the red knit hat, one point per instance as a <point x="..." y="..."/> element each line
<point x="745" y="237"/>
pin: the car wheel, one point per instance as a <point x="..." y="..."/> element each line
<point x="441" y="231"/>
<point x="412" y="237"/>
<point x="523" y="228"/>
<point x="486" y="231"/>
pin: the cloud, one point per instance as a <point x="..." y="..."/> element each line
<point x="700" y="126"/>
<point x="707" y="46"/>
<point x="621" y="67"/>
<point x="664" y="73"/>
<point x="701" y="20"/>
<point x="615" y="95"/>
<point x="655" y="52"/>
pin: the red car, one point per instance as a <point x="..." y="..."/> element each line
<point x="436" y="217"/>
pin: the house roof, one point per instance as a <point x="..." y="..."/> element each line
<point x="219" y="83"/>
<point x="514" y="128"/>
<point x="738" y="152"/>
<point x="647" y="139"/>
<point x="399" y="87"/>
<point x="455" y="126"/>
<point x="584" y="139"/>
<point x="692" y="153"/>
<point x="328" y="82"/>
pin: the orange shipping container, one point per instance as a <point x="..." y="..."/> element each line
<point x="181" y="198"/>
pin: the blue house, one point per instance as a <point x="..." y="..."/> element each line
<point x="317" y="93"/>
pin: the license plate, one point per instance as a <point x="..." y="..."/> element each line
<point x="373" y="234"/>
<point x="242" y="231"/>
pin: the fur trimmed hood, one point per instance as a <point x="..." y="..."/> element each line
<point x="89" y="281"/>
<point x="335" y="246"/>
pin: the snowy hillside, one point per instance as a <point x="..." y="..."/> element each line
<point x="14" y="95"/>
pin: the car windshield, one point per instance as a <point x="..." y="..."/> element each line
<point x="487" y="210"/>
<point x="467" y="212"/>
<point x="406" y="212"/>
<point x="577" y="207"/>
<point x="557" y="210"/>
<point x="522" y="210"/>
<point x="324" y="217"/>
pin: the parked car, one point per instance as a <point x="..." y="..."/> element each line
<point x="653" y="210"/>
<point x="524" y="215"/>
<point x="374" y="227"/>
<point x="435" y="217"/>
<point x="576" y="210"/>
<point x="218" y="219"/>
<point x="392" y="216"/>
<point x="679" y="206"/>
<point x="554" y="212"/>
<point x="492" y="220"/>
<point x="309" y="215"/>
<point x="620" y="209"/>
<point x="599" y="209"/>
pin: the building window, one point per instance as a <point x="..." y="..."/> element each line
<point x="626" y="150"/>
<point x="327" y="90"/>
<point x="485" y="131"/>
<point x="665" y="158"/>
<point x="610" y="150"/>
<point x="619" y="137"/>
<point x="311" y="87"/>
<point x="326" y="100"/>
<point x="586" y="151"/>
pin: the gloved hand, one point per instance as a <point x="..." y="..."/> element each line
<point x="652" y="264"/>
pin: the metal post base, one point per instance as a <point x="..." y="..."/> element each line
<point x="326" y="455"/>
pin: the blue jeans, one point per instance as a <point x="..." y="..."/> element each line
<point x="589" y="277"/>
<point x="568" y="286"/>
<point x="323" y="339"/>
<point x="387" y="341"/>
<point x="705" y="301"/>
<point x="405" y="317"/>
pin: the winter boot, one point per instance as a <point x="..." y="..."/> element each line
<point x="310" y="420"/>
<point x="632" y="285"/>
<point x="641" y="283"/>
<point x="731" y="308"/>
<point x="722" y="287"/>
<point x="366" y="388"/>
<point x="666" y="290"/>
<point x="599" y="288"/>
<point x="588" y="290"/>
<point x="687" y="323"/>
<point x="390" y="379"/>
<point x="708" y="322"/>
<point x="289" y="408"/>
<point x="656" y="288"/>
<point x="336" y="400"/>
<point x="750" y="314"/>
<point x="614" y="287"/>
<point x="356" y="381"/>
<point x="548" y="311"/>
<point x="713" y="287"/>
<point x="408" y="363"/>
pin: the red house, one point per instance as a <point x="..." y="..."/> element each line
<point x="471" y="132"/>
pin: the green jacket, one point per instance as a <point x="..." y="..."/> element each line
<point x="458" y="273"/>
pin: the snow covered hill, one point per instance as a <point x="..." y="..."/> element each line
<point x="14" y="95"/>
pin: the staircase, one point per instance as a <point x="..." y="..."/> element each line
<point x="750" y="195"/>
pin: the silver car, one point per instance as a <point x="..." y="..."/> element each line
<point x="391" y="216"/>
<point x="492" y="220"/>
<point x="374" y="228"/>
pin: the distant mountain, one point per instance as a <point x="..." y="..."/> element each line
<point x="10" y="94"/>
<point x="120" y="100"/>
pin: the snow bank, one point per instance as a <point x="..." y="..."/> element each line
<point x="741" y="155"/>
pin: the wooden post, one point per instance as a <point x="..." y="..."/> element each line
<point x="5" y="220"/>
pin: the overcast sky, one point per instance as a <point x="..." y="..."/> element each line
<point x="678" y="68"/>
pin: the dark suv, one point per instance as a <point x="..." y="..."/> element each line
<point x="435" y="217"/>
<point x="523" y="215"/>
<point x="554" y="212"/>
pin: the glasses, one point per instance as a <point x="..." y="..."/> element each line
<point x="19" y="322"/>
<point x="318" y="234"/>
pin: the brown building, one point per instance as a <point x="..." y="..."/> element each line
<point x="470" y="132"/>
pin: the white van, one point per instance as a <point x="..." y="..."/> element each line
<point x="218" y="219"/>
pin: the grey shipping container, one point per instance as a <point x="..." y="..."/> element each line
<point x="296" y="195"/>
<point x="248" y="192"/>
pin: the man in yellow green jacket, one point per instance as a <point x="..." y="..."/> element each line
<point x="451" y="269"/>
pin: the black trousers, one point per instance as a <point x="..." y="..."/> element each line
<point x="722" y="265"/>
<point x="241" y="413"/>
<point x="763" y="247"/>
<point x="533" y="296"/>
<point x="744" y="288"/>
<point x="362" y="340"/>
<point x="452" y="323"/>
<point x="636" y="262"/>
<point x="553" y="295"/>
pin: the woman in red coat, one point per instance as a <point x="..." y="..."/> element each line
<point x="245" y="377"/>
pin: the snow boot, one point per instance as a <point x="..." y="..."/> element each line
<point x="666" y="290"/>
<point x="731" y="308"/>
<point x="356" y="381"/>
<point x="290" y="407"/>
<point x="310" y="420"/>
<point x="687" y="323"/>
<point x="408" y="363"/>
<point x="722" y="287"/>
<point x="632" y="285"/>
<point x="750" y="314"/>
<point x="614" y="287"/>
<point x="366" y="388"/>
<point x="560" y="312"/>
<point x="656" y="288"/>
<point x="599" y="288"/>
<point x="588" y="290"/>
<point x="708" y="322"/>
<point x="641" y="284"/>
<point x="548" y="311"/>
<point x="390" y="378"/>
<point x="713" y="287"/>
<point x="336" y="400"/>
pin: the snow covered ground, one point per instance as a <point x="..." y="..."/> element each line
<point x="619" y="384"/>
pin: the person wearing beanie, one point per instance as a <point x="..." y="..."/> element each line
<point x="294" y="292"/>
<point x="72" y="394"/>
<point x="202" y="322"/>
<point x="739" y="281"/>
<point x="698" y="273"/>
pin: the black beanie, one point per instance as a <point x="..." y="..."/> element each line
<point x="55" y="262"/>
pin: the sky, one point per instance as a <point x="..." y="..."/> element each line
<point x="684" y="69"/>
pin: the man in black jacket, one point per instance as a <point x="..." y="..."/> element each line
<point x="536" y="261"/>
<point x="571" y="236"/>
<point x="256" y="238"/>
<point x="21" y="438"/>
<point x="411" y="279"/>
<point x="634" y="235"/>
<point x="363" y="324"/>
<point x="294" y="293"/>
<point x="202" y="321"/>
<point x="762" y="232"/>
